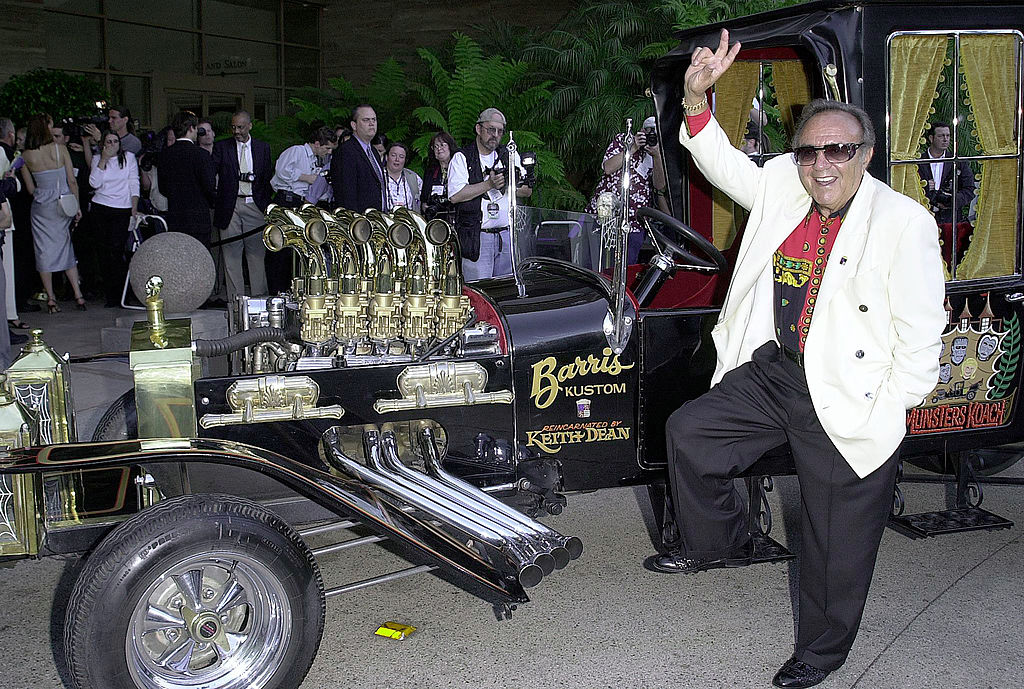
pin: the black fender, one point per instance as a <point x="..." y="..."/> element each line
<point x="413" y="533"/>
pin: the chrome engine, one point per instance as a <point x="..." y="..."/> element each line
<point x="371" y="288"/>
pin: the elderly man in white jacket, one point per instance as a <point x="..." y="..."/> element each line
<point x="830" y="331"/>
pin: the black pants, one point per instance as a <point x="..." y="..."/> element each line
<point x="111" y="232"/>
<point x="755" y="408"/>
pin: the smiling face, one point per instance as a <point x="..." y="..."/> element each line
<point x="832" y="185"/>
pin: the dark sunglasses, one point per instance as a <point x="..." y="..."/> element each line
<point x="834" y="153"/>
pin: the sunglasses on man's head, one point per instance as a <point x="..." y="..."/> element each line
<point x="834" y="153"/>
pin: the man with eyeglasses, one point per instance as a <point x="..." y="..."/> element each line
<point x="477" y="185"/>
<point x="830" y="331"/>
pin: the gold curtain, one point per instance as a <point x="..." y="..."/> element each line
<point x="915" y="66"/>
<point x="988" y="62"/>
<point x="792" y="89"/>
<point x="734" y="94"/>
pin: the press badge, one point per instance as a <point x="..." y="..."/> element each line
<point x="492" y="210"/>
<point x="437" y="190"/>
<point x="248" y="199"/>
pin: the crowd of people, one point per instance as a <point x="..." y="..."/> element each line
<point x="78" y="189"/>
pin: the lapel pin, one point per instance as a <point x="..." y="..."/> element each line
<point x="842" y="261"/>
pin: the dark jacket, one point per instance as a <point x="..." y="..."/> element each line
<point x="468" y="214"/>
<point x="187" y="180"/>
<point x="944" y="188"/>
<point x="225" y="165"/>
<point x="355" y="183"/>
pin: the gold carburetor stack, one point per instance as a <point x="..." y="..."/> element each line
<point x="374" y="283"/>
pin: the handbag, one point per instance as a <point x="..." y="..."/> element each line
<point x="68" y="203"/>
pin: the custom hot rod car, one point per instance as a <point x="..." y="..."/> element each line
<point x="381" y="394"/>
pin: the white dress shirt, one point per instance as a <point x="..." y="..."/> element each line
<point x="115" y="185"/>
<point x="295" y="161"/>
<point x="458" y="177"/>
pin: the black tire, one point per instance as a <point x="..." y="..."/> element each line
<point x="120" y="421"/>
<point x="174" y="591"/>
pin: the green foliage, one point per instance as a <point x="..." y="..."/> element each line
<point x="59" y="94"/>
<point x="599" y="60"/>
<point x="572" y="87"/>
<point x="453" y="96"/>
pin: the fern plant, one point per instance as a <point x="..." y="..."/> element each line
<point x="453" y="95"/>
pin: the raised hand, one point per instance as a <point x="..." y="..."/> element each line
<point x="706" y="67"/>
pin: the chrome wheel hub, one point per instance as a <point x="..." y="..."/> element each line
<point x="218" y="622"/>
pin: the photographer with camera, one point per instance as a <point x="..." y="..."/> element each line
<point x="300" y="166"/>
<point x="938" y="175"/>
<point x="647" y="180"/>
<point x="477" y="185"/>
<point x="434" y="201"/>
<point x="243" y="169"/>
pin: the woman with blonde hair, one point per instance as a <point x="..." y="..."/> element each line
<point x="48" y="176"/>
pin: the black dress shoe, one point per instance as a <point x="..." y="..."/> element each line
<point x="796" y="674"/>
<point x="18" y="338"/>
<point x="678" y="563"/>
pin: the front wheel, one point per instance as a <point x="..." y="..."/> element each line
<point x="207" y="591"/>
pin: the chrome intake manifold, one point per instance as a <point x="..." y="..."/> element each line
<point x="370" y="284"/>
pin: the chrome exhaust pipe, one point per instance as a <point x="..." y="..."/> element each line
<point x="528" y="574"/>
<point x="562" y="548"/>
<point x="388" y="463"/>
<point x="393" y="465"/>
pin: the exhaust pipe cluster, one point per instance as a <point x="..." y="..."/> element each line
<point x="529" y="549"/>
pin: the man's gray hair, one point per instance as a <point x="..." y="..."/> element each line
<point x="820" y="105"/>
<point x="491" y="114"/>
<point x="6" y="127"/>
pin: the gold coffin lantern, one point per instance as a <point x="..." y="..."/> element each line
<point x="164" y="369"/>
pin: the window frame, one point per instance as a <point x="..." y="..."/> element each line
<point x="956" y="124"/>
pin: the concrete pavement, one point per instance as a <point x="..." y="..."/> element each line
<point x="944" y="613"/>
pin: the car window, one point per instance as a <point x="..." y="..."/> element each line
<point x="953" y="141"/>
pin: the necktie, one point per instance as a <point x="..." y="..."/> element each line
<point x="244" y="166"/>
<point x="375" y="164"/>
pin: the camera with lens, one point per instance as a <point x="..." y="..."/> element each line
<point x="438" y="206"/>
<point x="650" y="137"/>
<point x="75" y="126"/>
<point x="150" y="149"/>
<point x="202" y="131"/>
<point x="528" y="160"/>
<point x="249" y="177"/>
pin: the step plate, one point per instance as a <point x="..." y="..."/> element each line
<point x="927" y="524"/>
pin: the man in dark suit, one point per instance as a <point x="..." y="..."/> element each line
<point x="938" y="175"/>
<point x="357" y="175"/>
<point x="187" y="180"/>
<point x="243" y="172"/>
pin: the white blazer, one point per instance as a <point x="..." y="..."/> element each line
<point x="872" y="350"/>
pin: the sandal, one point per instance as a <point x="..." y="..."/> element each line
<point x="80" y="304"/>
<point x="18" y="324"/>
<point x="52" y="306"/>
